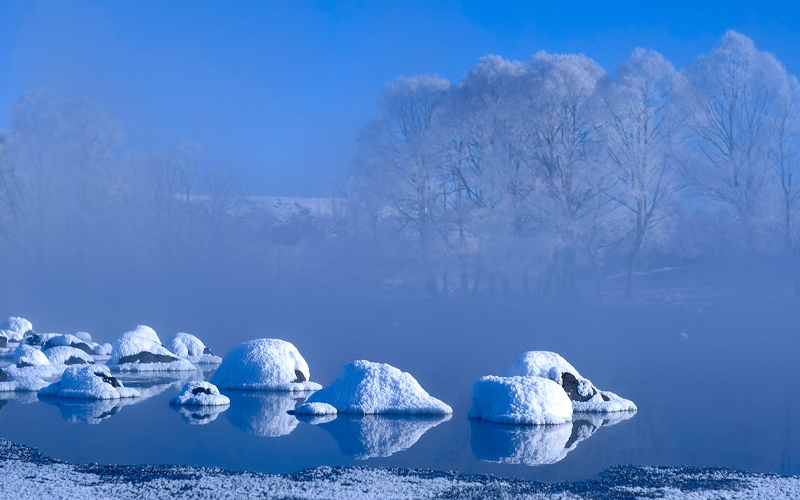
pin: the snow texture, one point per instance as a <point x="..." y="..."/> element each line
<point x="200" y="393"/>
<point x="264" y="414"/>
<point x="264" y="365"/>
<point x="26" y="355"/>
<point x="143" y="331"/>
<point x="552" y="366"/>
<point x="27" y="474"/>
<point x="88" y="382"/>
<point x="101" y="350"/>
<point x="140" y="342"/>
<point x="187" y="346"/>
<point x="61" y="354"/>
<point x="315" y="409"/>
<point x="368" y="388"/>
<point x="15" y="328"/>
<point x="84" y="336"/>
<point x="520" y="400"/>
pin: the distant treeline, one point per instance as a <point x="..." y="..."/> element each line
<point x="541" y="177"/>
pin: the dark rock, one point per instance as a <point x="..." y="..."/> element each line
<point x="207" y="351"/>
<point x="3" y="376"/>
<point x="147" y="357"/>
<point x="201" y="390"/>
<point x="83" y="346"/>
<point x="3" y="341"/>
<point x="29" y="332"/>
<point x="300" y="376"/>
<point x="605" y="398"/>
<point x="108" y="379"/>
<point x="570" y="384"/>
<point x="23" y="364"/>
<point x="72" y="360"/>
<point x="33" y="340"/>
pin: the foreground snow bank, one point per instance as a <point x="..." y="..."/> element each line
<point x="364" y="387"/>
<point x="28" y="474"/>
<point x="200" y="393"/>
<point x="583" y="394"/>
<point x="189" y="347"/>
<point x="14" y="328"/>
<point x="264" y="365"/>
<point x="88" y="382"/>
<point x="140" y="350"/>
<point x="520" y="400"/>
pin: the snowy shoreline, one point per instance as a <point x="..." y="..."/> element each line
<point x="29" y="474"/>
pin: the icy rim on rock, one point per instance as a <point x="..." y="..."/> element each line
<point x="29" y="474"/>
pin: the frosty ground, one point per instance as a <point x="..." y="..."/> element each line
<point x="25" y="473"/>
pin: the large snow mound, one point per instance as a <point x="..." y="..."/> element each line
<point x="88" y="382"/>
<point x="200" y="393"/>
<point x="15" y="328"/>
<point x="368" y="388"/>
<point x="133" y="352"/>
<point x="62" y="355"/>
<point x="187" y="346"/>
<point x="583" y="394"/>
<point x="520" y="400"/>
<point x="264" y="364"/>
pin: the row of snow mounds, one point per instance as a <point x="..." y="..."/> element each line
<point x="88" y="382"/>
<point x="368" y="388"/>
<point x="264" y="365"/>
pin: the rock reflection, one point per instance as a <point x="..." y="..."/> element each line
<point x="199" y="415"/>
<point x="86" y="411"/>
<point x="537" y="444"/>
<point x="264" y="413"/>
<point x="370" y="436"/>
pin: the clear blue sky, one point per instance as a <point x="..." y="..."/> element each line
<point x="281" y="88"/>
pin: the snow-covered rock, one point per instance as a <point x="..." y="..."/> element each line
<point x="364" y="387"/>
<point x="26" y="355"/>
<point x="144" y="332"/>
<point x="200" y="393"/>
<point x="15" y="328"/>
<point x="135" y="352"/>
<point x="263" y="413"/>
<point x="264" y="365"/>
<point x="583" y="394"/>
<point x="67" y="341"/>
<point x="84" y="336"/>
<point x="520" y="400"/>
<point x="88" y="382"/>
<point x="199" y="415"/>
<point x="62" y="355"/>
<point x="101" y="350"/>
<point x="315" y="409"/>
<point x="187" y="346"/>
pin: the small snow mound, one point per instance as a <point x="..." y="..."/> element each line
<point x="63" y="355"/>
<point x="520" y="400"/>
<point x="26" y="355"/>
<point x="315" y="409"/>
<point x="189" y="347"/>
<point x="15" y="328"/>
<point x="101" y="349"/>
<point x="88" y="382"/>
<point x="200" y="393"/>
<point x="132" y="352"/>
<point x="363" y="387"/>
<point x="142" y="331"/>
<point x="84" y="336"/>
<point x="264" y="365"/>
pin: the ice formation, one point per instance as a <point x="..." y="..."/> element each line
<point x="583" y="394"/>
<point x="200" y="393"/>
<point x="185" y="345"/>
<point x="364" y="387"/>
<point x="88" y="382"/>
<point x="264" y="364"/>
<point x="315" y="409"/>
<point x="264" y="414"/>
<point x="67" y="341"/>
<point x="62" y="355"/>
<point x="136" y="351"/>
<point x="14" y="328"/>
<point x="520" y="400"/>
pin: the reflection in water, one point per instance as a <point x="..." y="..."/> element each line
<point x="88" y="411"/>
<point x="153" y="384"/>
<point x="23" y="398"/>
<point x="264" y="413"/>
<point x="536" y="444"/>
<point x="368" y="436"/>
<point x="199" y="415"/>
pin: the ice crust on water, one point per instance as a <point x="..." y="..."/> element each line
<point x="264" y="365"/>
<point x="315" y="409"/>
<point x="141" y="341"/>
<point x="552" y="366"/>
<point x="200" y="393"/>
<point x="15" y="328"/>
<point x="187" y="346"/>
<point x="61" y="354"/>
<point x="88" y="382"/>
<point x="368" y="388"/>
<point x="520" y="400"/>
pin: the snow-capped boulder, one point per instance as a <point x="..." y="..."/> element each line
<point x="15" y="328"/>
<point x="84" y="336"/>
<point x="134" y="352"/>
<point x="520" y="400"/>
<point x="583" y="394"/>
<point x="88" y="382"/>
<point x="315" y="409"/>
<point x="187" y="346"/>
<point x="67" y="341"/>
<point x="264" y="365"/>
<point x="62" y="355"/>
<point x="144" y="332"/>
<point x="368" y="388"/>
<point x="26" y="355"/>
<point x="101" y="350"/>
<point x="200" y="393"/>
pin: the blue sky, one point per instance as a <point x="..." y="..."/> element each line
<point x="280" y="89"/>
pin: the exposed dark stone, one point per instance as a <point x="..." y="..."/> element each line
<point x="3" y="341"/>
<point x="570" y="384"/>
<point x="147" y="357"/>
<point x="3" y="376"/>
<point x="108" y="379"/>
<point x="300" y="376"/>
<point x="33" y="340"/>
<point x="29" y="332"/>
<point x="201" y="390"/>
<point x="83" y="346"/>
<point x="23" y="364"/>
<point x="605" y="398"/>
<point x="72" y="360"/>
<point x="207" y="351"/>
